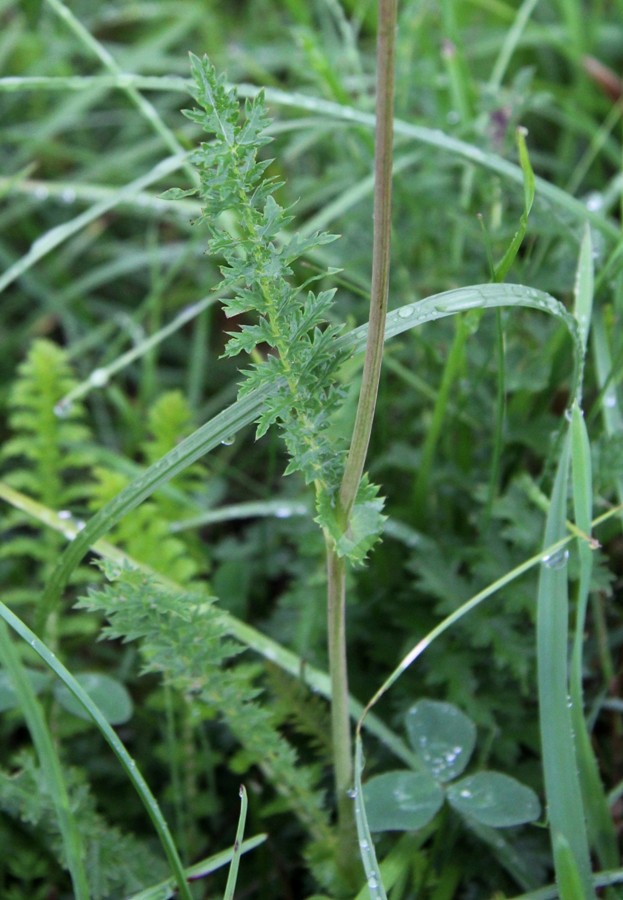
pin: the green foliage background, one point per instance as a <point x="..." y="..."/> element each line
<point x="468" y="429"/>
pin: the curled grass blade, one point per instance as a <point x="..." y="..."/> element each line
<point x="48" y="758"/>
<point x="246" y="409"/>
<point x="149" y="801"/>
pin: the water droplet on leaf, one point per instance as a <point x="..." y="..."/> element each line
<point x="99" y="377"/>
<point x="556" y="560"/>
<point x="62" y="409"/>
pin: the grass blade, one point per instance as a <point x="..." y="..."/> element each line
<point x="260" y="643"/>
<point x="245" y="410"/>
<point x="367" y="852"/>
<point x="562" y="788"/>
<point x="528" y="192"/>
<point x="199" y="870"/>
<point x="230" y="887"/>
<point x="598" y="818"/>
<point x="431" y="137"/>
<point x="55" y="236"/>
<point x="128" y="764"/>
<point x="50" y="763"/>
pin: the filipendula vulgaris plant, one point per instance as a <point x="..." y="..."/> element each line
<point x="304" y="353"/>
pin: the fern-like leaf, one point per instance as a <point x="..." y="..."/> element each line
<point x="186" y="638"/>
<point x="303" y="356"/>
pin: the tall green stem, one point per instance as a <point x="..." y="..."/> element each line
<point x="353" y="471"/>
<point x="383" y="157"/>
<point x="340" y="718"/>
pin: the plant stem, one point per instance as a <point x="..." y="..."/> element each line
<point x="340" y="718"/>
<point x="380" y="256"/>
<point x="353" y="471"/>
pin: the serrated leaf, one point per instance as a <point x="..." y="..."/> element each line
<point x="178" y="193"/>
<point x="401" y="801"/>
<point x="365" y="525"/>
<point x="494" y="799"/>
<point x="442" y="735"/>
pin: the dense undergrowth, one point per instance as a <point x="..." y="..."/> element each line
<point x="202" y="565"/>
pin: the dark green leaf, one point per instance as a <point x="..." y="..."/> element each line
<point x="442" y="735"/>
<point x="494" y="799"/>
<point x="108" y="693"/>
<point x="401" y="801"/>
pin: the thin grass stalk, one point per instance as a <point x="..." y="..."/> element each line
<point x="232" y="877"/>
<point x="451" y="372"/>
<point x="500" y="416"/>
<point x="50" y="764"/>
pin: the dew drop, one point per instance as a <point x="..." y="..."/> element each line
<point x="610" y="401"/>
<point x="228" y="441"/>
<point x="193" y="309"/>
<point x="64" y="514"/>
<point x="372" y="882"/>
<point x="556" y="560"/>
<point x="405" y="312"/>
<point x="364" y="846"/>
<point x="41" y="192"/>
<point x="465" y="793"/>
<point x="594" y="201"/>
<point x="352" y="793"/>
<point x="62" y="410"/>
<point x="99" y="377"/>
<point x="68" y="196"/>
<point x="283" y="512"/>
